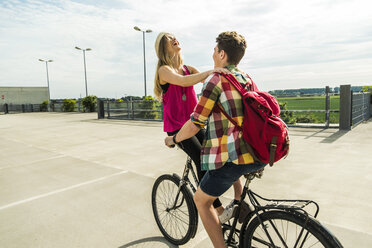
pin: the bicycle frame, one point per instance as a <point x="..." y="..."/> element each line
<point x="254" y="198"/>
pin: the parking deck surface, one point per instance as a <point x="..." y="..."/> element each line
<point x="70" y="180"/>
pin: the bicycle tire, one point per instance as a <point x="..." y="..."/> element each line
<point x="318" y="236"/>
<point x="179" y="225"/>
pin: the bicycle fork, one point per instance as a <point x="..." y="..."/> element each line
<point x="183" y="181"/>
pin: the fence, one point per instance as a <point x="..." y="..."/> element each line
<point x="131" y="110"/>
<point x="55" y="106"/>
<point x="360" y="107"/>
<point x="21" y="108"/>
<point x="354" y="107"/>
<point x="327" y="111"/>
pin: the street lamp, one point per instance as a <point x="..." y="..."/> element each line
<point x="46" y="64"/>
<point x="85" y="68"/>
<point x="144" y="53"/>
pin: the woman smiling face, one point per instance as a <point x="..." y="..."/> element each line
<point x="173" y="46"/>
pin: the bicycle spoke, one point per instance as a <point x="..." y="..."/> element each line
<point x="273" y="224"/>
<point x="179" y="218"/>
<point x="261" y="241"/>
<point x="308" y="238"/>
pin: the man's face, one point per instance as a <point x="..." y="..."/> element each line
<point x="216" y="56"/>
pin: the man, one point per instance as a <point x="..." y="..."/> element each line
<point x="224" y="153"/>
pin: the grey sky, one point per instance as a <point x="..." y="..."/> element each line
<point x="291" y="44"/>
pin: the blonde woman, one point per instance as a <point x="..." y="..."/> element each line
<point x="174" y="87"/>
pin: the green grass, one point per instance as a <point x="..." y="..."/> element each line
<point x="312" y="103"/>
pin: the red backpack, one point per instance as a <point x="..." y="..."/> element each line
<point x="263" y="130"/>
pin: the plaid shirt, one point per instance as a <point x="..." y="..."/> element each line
<point x="223" y="141"/>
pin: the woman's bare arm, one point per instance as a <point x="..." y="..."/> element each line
<point x="167" y="75"/>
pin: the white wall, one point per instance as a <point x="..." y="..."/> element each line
<point x="23" y="95"/>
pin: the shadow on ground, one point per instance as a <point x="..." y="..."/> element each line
<point x="328" y="135"/>
<point x="149" y="242"/>
<point x="332" y="138"/>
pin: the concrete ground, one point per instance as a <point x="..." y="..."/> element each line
<point x="70" y="180"/>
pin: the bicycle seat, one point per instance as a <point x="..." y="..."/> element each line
<point x="254" y="174"/>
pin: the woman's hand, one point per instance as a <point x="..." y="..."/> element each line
<point x="169" y="142"/>
<point x="221" y="70"/>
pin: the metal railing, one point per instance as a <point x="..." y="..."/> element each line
<point x="354" y="107"/>
<point x="327" y="111"/>
<point x="20" y="108"/>
<point x="55" y="106"/>
<point x="360" y="110"/>
<point x="131" y="110"/>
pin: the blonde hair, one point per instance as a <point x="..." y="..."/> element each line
<point x="164" y="58"/>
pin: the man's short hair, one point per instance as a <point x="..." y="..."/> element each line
<point x="233" y="44"/>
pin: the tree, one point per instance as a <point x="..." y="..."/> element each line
<point x="89" y="103"/>
<point x="68" y="105"/>
<point x="287" y="117"/>
<point x="149" y="104"/>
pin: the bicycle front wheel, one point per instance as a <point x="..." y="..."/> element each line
<point x="174" y="210"/>
<point x="285" y="229"/>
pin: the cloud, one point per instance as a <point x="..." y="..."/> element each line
<point x="290" y="43"/>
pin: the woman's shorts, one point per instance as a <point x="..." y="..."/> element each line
<point x="217" y="182"/>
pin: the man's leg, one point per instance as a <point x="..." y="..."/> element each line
<point x="209" y="217"/>
<point x="238" y="189"/>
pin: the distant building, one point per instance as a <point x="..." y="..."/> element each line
<point x="23" y="95"/>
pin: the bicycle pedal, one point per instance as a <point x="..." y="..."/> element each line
<point x="233" y="243"/>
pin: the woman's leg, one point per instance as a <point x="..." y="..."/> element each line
<point x="192" y="147"/>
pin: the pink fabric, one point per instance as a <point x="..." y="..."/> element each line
<point x="177" y="111"/>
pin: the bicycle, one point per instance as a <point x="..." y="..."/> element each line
<point x="263" y="222"/>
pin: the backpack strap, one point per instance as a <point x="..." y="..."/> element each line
<point x="219" y="107"/>
<point x="250" y="149"/>
<point x="235" y="82"/>
<point x="238" y="86"/>
<point x="273" y="147"/>
<point x="252" y="86"/>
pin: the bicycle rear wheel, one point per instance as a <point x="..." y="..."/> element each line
<point x="177" y="222"/>
<point x="285" y="230"/>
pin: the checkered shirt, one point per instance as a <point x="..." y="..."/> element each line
<point x="223" y="141"/>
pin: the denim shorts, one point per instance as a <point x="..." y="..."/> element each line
<point x="217" y="182"/>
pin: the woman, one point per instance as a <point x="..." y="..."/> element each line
<point x="174" y="87"/>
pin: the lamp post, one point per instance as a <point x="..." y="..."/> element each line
<point x="144" y="52"/>
<point x="85" y="68"/>
<point x="46" y="64"/>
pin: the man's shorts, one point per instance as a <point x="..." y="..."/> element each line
<point x="217" y="182"/>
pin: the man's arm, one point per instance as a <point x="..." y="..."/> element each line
<point x="188" y="130"/>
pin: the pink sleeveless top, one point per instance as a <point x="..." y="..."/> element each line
<point x="178" y="103"/>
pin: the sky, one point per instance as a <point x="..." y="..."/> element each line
<point x="290" y="43"/>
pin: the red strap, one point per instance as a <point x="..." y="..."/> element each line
<point x="228" y="116"/>
<point x="235" y="82"/>
<point x="238" y="86"/>
<point x="241" y="89"/>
